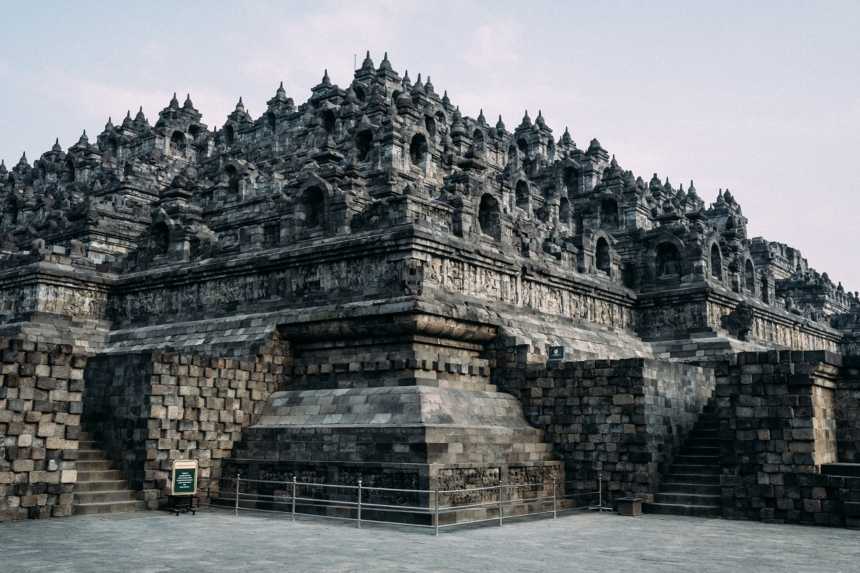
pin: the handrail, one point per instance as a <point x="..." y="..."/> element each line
<point x="353" y="502"/>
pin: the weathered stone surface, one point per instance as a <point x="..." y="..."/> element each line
<point x="36" y="466"/>
<point x="621" y="419"/>
<point x="340" y="286"/>
<point x="773" y="447"/>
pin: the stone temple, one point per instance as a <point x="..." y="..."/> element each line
<point x="372" y="285"/>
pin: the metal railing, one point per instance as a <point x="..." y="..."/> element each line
<point x="423" y="508"/>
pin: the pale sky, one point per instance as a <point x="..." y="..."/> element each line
<point x="759" y="97"/>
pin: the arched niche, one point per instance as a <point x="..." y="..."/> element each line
<point x="312" y="207"/>
<point x="571" y="178"/>
<point x="430" y="125"/>
<point x="328" y="121"/>
<point x="418" y="149"/>
<point x="716" y="262"/>
<point x="363" y="144"/>
<point x="229" y="135"/>
<point x="609" y="213"/>
<point x="522" y="194"/>
<point x="177" y="143"/>
<point x="668" y="261"/>
<point x="765" y="289"/>
<point x="523" y="147"/>
<point x="160" y="234"/>
<point x="749" y="276"/>
<point x="113" y="144"/>
<point x="489" y="217"/>
<point x="232" y="181"/>
<point x="70" y="169"/>
<point x="564" y="211"/>
<point x="602" y="256"/>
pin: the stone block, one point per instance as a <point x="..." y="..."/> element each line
<point x="60" y="444"/>
<point x="20" y="466"/>
<point x="46" y="429"/>
<point x="811" y="505"/>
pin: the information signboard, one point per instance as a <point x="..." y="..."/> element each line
<point x="183" y="477"/>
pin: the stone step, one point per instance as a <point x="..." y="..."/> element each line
<point x="90" y="454"/>
<point x="102" y="475"/>
<point x="103" y="485"/>
<point x="681" y="509"/>
<point x="105" y="496"/>
<point x="692" y="477"/>
<point x="690" y="487"/>
<point x="704" y="431"/>
<point x="108" y="507"/>
<point x="712" y="442"/>
<point x="94" y="465"/>
<point x="699" y="432"/>
<point x="696" y="469"/>
<point x="694" y="449"/>
<point x="683" y="498"/>
<point x="841" y="469"/>
<point x="690" y="459"/>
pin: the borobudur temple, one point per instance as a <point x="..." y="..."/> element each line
<point x="371" y="285"/>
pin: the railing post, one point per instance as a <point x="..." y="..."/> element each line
<point x="236" y="507"/>
<point x="436" y="511"/>
<point x="600" y="490"/>
<point x="359" y="504"/>
<point x="501" y="507"/>
<point x="293" y="511"/>
<point x="554" y="498"/>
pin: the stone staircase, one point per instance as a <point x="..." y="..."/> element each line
<point x="101" y="488"/>
<point x="692" y="485"/>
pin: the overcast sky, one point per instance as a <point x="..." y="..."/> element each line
<point x="759" y="97"/>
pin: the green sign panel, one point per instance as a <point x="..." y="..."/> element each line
<point x="556" y="352"/>
<point x="184" y="481"/>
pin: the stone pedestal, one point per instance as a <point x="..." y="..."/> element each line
<point x="398" y="401"/>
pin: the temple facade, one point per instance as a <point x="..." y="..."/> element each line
<point x="371" y="285"/>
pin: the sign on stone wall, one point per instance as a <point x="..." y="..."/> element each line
<point x="183" y="477"/>
<point x="556" y="353"/>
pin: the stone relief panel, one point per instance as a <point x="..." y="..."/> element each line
<point x="77" y="303"/>
<point x="671" y="318"/>
<point x="346" y="279"/>
<point x="18" y="299"/>
<point x="450" y="479"/>
<point x="771" y="331"/>
<point x="461" y="277"/>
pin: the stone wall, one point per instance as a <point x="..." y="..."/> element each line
<point x="41" y="389"/>
<point x="118" y="407"/>
<point x="777" y="427"/>
<point x="847" y="401"/>
<point x="625" y="418"/>
<point x="155" y="407"/>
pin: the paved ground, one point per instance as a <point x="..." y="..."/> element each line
<point x="216" y="541"/>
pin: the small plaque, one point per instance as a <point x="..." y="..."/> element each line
<point x="556" y="352"/>
<point x="183" y="477"/>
